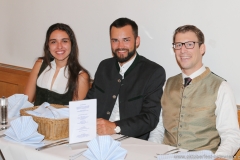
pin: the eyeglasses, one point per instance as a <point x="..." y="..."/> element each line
<point x="188" y="45"/>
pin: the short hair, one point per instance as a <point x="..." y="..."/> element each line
<point x="121" y="22"/>
<point x="192" y="28"/>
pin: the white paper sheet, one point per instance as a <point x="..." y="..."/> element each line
<point x="82" y="120"/>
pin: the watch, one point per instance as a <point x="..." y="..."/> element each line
<point x="117" y="130"/>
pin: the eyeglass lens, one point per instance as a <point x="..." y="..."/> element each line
<point x="188" y="45"/>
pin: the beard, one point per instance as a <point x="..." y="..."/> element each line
<point x="124" y="59"/>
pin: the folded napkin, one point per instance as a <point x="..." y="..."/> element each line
<point x="104" y="148"/>
<point x="196" y="155"/>
<point x="24" y="130"/>
<point x="47" y="111"/>
<point x="17" y="102"/>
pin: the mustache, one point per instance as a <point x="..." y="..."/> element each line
<point x="121" y="49"/>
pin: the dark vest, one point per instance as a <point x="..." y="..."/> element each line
<point x="45" y="95"/>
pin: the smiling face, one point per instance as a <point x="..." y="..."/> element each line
<point x="190" y="60"/>
<point x="123" y="43"/>
<point x="59" y="46"/>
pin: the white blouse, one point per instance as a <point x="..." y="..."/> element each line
<point x="60" y="83"/>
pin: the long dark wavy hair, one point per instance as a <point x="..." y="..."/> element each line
<point x="73" y="64"/>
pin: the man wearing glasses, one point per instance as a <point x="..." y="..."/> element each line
<point x="198" y="107"/>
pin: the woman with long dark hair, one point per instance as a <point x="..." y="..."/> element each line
<point x="57" y="77"/>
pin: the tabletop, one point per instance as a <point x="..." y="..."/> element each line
<point x="136" y="149"/>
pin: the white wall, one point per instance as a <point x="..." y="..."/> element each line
<point x="23" y="25"/>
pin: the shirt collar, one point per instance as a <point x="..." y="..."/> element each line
<point x="125" y="66"/>
<point x="195" y="74"/>
<point x="53" y="64"/>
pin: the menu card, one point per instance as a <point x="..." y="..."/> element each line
<point x="82" y="120"/>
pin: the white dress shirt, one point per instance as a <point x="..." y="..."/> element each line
<point x="115" y="116"/>
<point x="226" y="120"/>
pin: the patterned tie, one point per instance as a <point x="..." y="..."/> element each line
<point x="187" y="80"/>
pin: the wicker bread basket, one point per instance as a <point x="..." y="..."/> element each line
<point x="52" y="129"/>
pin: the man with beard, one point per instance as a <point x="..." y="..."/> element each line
<point x="128" y="87"/>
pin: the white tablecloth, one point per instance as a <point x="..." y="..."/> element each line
<point x="137" y="149"/>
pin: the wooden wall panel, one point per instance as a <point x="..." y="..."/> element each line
<point x="13" y="79"/>
<point x="7" y="89"/>
<point x="237" y="156"/>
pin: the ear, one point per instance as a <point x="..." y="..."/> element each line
<point x="173" y="50"/>
<point x="202" y="49"/>
<point x="137" y="41"/>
